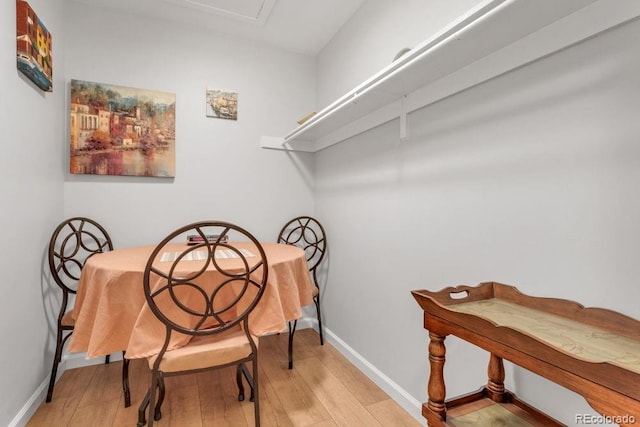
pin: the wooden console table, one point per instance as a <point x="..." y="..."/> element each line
<point x="592" y="351"/>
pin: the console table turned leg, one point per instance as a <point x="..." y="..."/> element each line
<point x="436" y="387"/>
<point x="495" y="384"/>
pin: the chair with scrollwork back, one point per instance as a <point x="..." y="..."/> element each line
<point x="308" y="234"/>
<point x="201" y="294"/>
<point x="72" y="243"/>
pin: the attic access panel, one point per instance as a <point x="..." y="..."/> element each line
<point x="250" y="11"/>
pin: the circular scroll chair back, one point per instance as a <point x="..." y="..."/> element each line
<point x="72" y="243"/>
<point x="308" y="234"/>
<point x="204" y="291"/>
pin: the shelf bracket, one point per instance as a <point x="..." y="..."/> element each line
<point x="279" y="143"/>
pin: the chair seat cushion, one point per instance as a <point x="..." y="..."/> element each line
<point x="206" y="351"/>
<point x="67" y="320"/>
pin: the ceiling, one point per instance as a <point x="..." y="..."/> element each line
<point x="303" y="26"/>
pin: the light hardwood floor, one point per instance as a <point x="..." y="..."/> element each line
<point x="323" y="389"/>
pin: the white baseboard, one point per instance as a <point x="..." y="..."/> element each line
<point x="31" y="406"/>
<point x="80" y="360"/>
<point x="397" y="393"/>
<point x="69" y="361"/>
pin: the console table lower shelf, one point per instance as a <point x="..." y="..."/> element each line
<point x="592" y="351"/>
<point x="482" y="409"/>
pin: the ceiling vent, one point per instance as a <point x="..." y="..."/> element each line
<point x="249" y="11"/>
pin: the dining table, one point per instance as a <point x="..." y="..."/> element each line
<point x="111" y="313"/>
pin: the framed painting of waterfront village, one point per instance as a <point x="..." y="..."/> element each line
<point x="34" y="47"/>
<point x="222" y="104"/>
<point x="118" y="130"/>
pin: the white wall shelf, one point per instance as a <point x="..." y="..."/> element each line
<point x="495" y="37"/>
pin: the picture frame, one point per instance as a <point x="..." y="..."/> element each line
<point x="34" y="50"/>
<point x="120" y="130"/>
<point x="222" y="104"/>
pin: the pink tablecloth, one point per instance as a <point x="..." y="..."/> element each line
<point x="110" y="305"/>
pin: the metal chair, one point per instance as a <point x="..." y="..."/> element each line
<point x="204" y="291"/>
<point x="307" y="233"/>
<point x="72" y="243"/>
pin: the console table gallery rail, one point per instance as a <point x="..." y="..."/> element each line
<point x="594" y="352"/>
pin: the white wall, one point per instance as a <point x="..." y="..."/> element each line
<point x="221" y="173"/>
<point x="372" y="38"/>
<point x="530" y="179"/>
<point x="32" y="124"/>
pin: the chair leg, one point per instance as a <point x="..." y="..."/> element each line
<point x="239" y="382"/>
<point x="56" y="361"/>
<point x="152" y="397"/>
<point x="106" y="359"/>
<point x="125" y="381"/>
<point x="316" y="300"/>
<point x="157" y="414"/>
<point x="255" y="391"/>
<point x="249" y="379"/>
<point x="149" y="401"/>
<point x="142" y="420"/>
<point x="292" y="331"/>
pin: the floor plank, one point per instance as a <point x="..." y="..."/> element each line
<point x="365" y="390"/>
<point x="295" y="395"/>
<point x="322" y="390"/>
<point x="343" y="406"/>
<point x="389" y="413"/>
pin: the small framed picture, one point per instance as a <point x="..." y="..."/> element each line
<point x="222" y="104"/>
<point x="34" y="47"/>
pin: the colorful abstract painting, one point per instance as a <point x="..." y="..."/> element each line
<point x="118" y="130"/>
<point x="34" y="47"/>
<point x="222" y="104"/>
